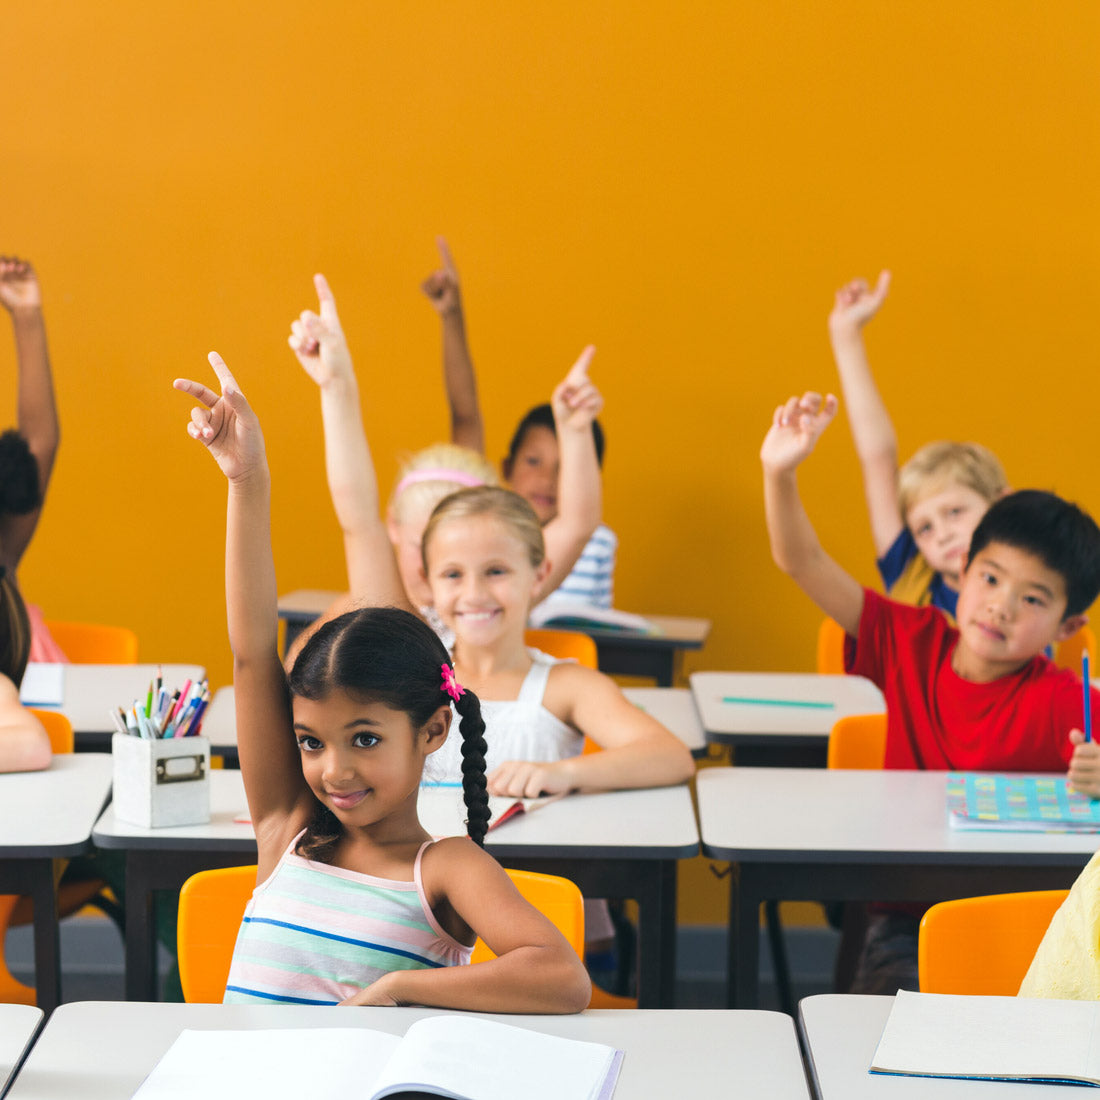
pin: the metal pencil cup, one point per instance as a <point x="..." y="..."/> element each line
<point x="161" y="782"/>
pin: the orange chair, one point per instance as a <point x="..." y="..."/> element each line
<point x="1067" y="654"/>
<point x="564" y="644"/>
<point x="16" y="910"/>
<point x="213" y="902"/>
<point x="857" y="742"/>
<point x="983" y="946"/>
<point x="95" y="643"/>
<point x="830" y="648"/>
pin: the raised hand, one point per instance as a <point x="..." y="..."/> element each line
<point x="225" y="424"/>
<point x="796" y="428"/>
<point x="576" y="401"/>
<point x="18" y="285"/>
<point x="318" y="340"/>
<point x="441" y="286"/>
<point x="856" y="303"/>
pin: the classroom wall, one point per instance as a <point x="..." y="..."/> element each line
<point x="683" y="185"/>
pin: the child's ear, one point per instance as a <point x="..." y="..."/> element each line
<point x="542" y="572"/>
<point x="1069" y="626"/>
<point x="391" y="528"/>
<point x="436" y="728"/>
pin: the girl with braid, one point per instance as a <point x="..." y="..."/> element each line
<point x="355" y="903"/>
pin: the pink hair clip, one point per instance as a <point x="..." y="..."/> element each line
<point x="450" y="685"/>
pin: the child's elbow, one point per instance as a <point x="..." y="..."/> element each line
<point x="575" y="990"/>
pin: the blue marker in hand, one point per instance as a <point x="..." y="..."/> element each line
<point x="1088" y="699"/>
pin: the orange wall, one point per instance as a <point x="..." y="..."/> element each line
<point x="683" y="185"/>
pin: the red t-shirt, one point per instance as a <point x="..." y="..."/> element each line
<point x="938" y="721"/>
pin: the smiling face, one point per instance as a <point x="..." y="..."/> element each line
<point x="942" y="524"/>
<point x="533" y="473"/>
<point x="1011" y="607"/>
<point x="363" y="760"/>
<point x="481" y="578"/>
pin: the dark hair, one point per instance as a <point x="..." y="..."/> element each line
<point x="385" y="655"/>
<point x="19" y="489"/>
<point x="1062" y="536"/>
<point x="542" y="416"/>
<point x="15" y="630"/>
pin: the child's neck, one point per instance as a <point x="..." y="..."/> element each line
<point x="482" y="668"/>
<point x="967" y="665"/>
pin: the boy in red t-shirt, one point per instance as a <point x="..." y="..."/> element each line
<point x="979" y="696"/>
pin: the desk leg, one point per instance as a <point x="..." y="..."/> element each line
<point x="141" y="938"/>
<point x="656" y="897"/>
<point x="47" y="936"/>
<point x="743" y="958"/>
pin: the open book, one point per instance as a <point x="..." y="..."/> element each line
<point x="1020" y="803"/>
<point x="992" y="1038"/>
<point x="502" y="809"/>
<point x="461" y="1057"/>
<point x="562" y="615"/>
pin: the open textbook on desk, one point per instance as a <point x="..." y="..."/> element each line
<point x="561" y="615"/>
<point x="461" y="1057"/>
<point x="991" y="1038"/>
<point x="1020" y="803"/>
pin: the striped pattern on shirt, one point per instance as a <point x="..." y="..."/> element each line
<point x="593" y="573"/>
<point x="316" y="934"/>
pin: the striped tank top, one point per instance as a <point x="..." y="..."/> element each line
<point x="315" y="934"/>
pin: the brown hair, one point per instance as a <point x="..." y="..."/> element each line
<point x="489" y="500"/>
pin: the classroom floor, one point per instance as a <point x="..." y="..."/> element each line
<point x="93" y="962"/>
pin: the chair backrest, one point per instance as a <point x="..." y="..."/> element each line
<point x="565" y="644"/>
<point x="858" y="742"/>
<point x="58" y="727"/>
<point x="983" y="946"/>
<point x="95" y="643"/>
<point x="1067" y="654"/>
<point x="212" y="904"/>
<point x="830" y="648"/>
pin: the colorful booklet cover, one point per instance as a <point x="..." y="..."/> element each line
<point x="1022" y="803"/>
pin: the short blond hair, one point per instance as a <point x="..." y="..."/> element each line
<point x="430" y="475"/>
<point x="489" y="500"/>
<point x="937" y="466"/>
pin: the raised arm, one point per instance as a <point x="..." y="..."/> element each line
<point x="872" y="430"/>
<point x="637" y="750"/>
<point x="576" y="403"/>
<point x="318" y="342"/>
<point x="24" y="742"/>
<point x="459" y="378"/>
<point x="278" y="796"/>
<point x="795" y="429"/>
<point x="37" y="410"/>
<point x="535" y="971"/>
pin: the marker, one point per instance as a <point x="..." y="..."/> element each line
<point x="1087" y="695"/>
<point x="778" y="702"/>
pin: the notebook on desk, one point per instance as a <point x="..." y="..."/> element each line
<point x="560" y="615"/>
<point x="1019" y="803"/>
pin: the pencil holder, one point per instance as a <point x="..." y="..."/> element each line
<point x="161" y="782"/>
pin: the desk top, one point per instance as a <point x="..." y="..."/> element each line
<point x="672" y="707"/>
<point x="18" y="1026"/>
<point x="800" y="815"/>
<point x="779" y="704"/>
<point x="51" y="813"/>
<point x="652" y="824"/>
<point x="92" y="691"/>
<point x="104" y="1050"/>
<point x="842" y="1032"/>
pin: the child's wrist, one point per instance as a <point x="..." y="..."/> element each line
<point x="25" y="314"/>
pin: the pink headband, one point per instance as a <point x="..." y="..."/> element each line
<point x="458" y="477"/>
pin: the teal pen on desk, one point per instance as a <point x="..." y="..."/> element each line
<point x="805" y="703"/>
<point x="1088" y="696"/>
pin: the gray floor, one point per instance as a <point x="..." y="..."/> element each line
<point x="91" y="950"/>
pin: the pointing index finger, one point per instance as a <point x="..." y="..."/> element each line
<point x="445" y="254"/>
<point x="324" y="296"/>
<point x="225" y="375"/>
<point x="578" y="373"/>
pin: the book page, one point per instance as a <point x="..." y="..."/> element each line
<point x="945" y="1035"/>
<point x="464" y="1057"/>
<point x="43" y="685"/>
<point x="319" y="1063"/>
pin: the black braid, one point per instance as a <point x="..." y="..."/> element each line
<point x="474" y="793"/>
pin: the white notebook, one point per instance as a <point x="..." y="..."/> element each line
<point x="461" y="1057"/>
<point x="993" y="1038"/>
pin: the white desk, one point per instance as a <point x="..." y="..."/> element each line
<point x="672" y="707"/>
<point x="91" y="692"/>
<point x="619" y="844"/>
<point x="791" y="707"/>
<point x="833" y="835"/>
<point x="19" y="1025"/>
<point x="841" y="1033"/>
<point x="104" y="1050"/>
<point x="45" y="816"/>
<point x="620" y="651"/>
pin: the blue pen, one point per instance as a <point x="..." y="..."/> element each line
<point x="1088" y="697"/>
